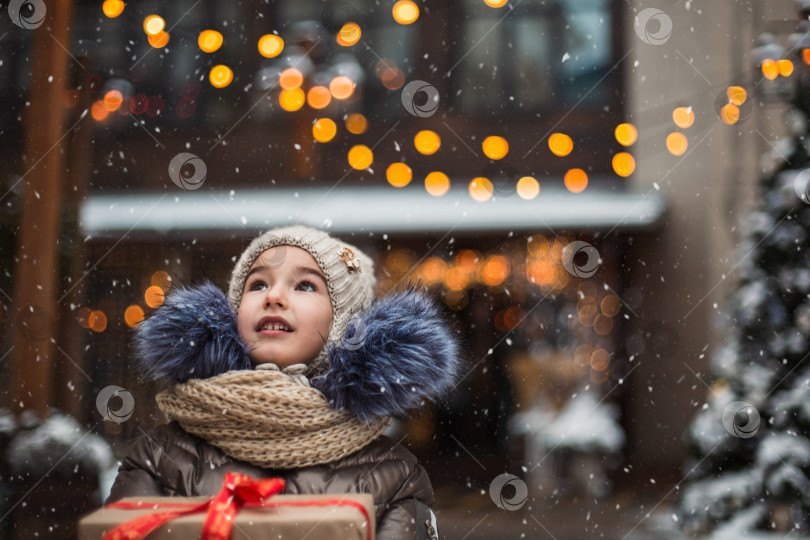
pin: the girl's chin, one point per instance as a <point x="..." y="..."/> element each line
<point x="281" y="364"/>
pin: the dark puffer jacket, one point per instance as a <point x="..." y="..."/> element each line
<point x="169" y="461"/>
<point x="400" y="352"/>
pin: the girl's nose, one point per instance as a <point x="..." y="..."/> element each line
<point x="276" y="295"/>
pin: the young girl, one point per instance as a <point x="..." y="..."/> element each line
<point x="296" y="374"/>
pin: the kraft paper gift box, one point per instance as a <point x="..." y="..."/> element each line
<point x="326" y="516"/>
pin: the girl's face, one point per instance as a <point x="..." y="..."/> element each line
<point x="285" y="313"/>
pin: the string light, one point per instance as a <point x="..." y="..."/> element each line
<point x="290" y="79"/>
<point x="153" y="24"/>
<point x="437" y="183"/>
<point x="356" y="123"/>
<point x="341" y="87"/>
<point x="220" y="76"/>
<point x="398" y="175"/>
<point x="677" y="143"/>
<point x="270" y="45"/>
<point x="360" y="157"/>
<point x="560" y="144"/>
<point x="349" y="34"/>
<point x="528" y="188"/>
<point x="683" y="117"/>
<point x="324" y="130"/>
<point x="495" y="147"/>
<point x="112" y="8"/>
<point x="576" y="180"/>
<point x="209" y="41"/>
<point x="427" y="142"/>
<point x="626" y="134"/>
<point x="405" y="12"/>
<point x="480" y="189"/>
<point x="159" y="40"/>
<point x="624" y="164"/>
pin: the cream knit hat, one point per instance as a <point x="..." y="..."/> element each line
<point x="349" y="275"/>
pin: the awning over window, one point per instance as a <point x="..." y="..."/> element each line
<point x="352" y="209"/>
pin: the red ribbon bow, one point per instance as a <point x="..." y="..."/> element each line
<point x="237" y="491"/>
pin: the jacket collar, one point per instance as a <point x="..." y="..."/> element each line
<point x="393" y="356"/>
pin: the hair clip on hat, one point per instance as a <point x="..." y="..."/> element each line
<point x="347" y="256"/>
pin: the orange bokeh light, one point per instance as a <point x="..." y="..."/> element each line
<point x="785" y="67"/>
<point x="437" y="183"/>
<point x="319" y="97"/>
<point x="610" y="305"/>
<point x="510" y="319"/>
<point x="324" y="130"/>
<point x="209" y="41"/>
<point x="729" y="114"/>
<point x="495" y="270"/>
<point x="399" y="174"/>
<point x="270" y="45"/>
<point x="159" y="40"/>
<point x="683" y="117"/>
<point x="495" y="147"/>
<point x="113" y="100"/>
<point x="341" y="87"/>
<point x="360" y="157"/>
<point x="600" y="359"/>
<point x="349" y="34"/>
<point x="456" y="279"/>
<point x="392" y="78"/>
<point x="467" y="260"/>
<point x="356" y="123"/>
<point x="736" y="95"/>
<point x="624" y="164"/>
<point x="576" y="180"/>
<point x="433" y="270"/>
<point x="133" y="315"/>
<point x="292" y="100"/>
<point x="112" y="8"/>
<point x="480" y="189"/>
<point x="154" y="296"/>
<point x="161" y="279"/>
<point x="99" y="111"/>
<point x="626" y="134"/>
<point x="220" y="76"/>
<point x="84" y="317"/>
<point x="153" y="25"/>
<point x="427" y="142"/>
<point x="770" y="69"/>
<point x="97" y="321"/>
<point x="528" y="188"/>
<point x="405" y="12"/>
<point x="677" y="143"/>
<point x="560" y="144"/>
<point x="290" y="79"/>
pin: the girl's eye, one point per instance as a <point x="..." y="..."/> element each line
<point x="256" y="285"/>
<point x="309" y="285"/>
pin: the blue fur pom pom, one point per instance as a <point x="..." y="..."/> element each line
<point x="193" y="335"/>
<point x="398" y="353"/>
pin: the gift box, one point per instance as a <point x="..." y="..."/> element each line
<point x="234" y="515"/>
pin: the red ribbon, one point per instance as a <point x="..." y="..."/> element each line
<point x="238" y="491"/>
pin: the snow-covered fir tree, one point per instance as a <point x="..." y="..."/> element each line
<point x="749" y="470"/>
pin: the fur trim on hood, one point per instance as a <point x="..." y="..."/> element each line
<point x="392" y="357"/>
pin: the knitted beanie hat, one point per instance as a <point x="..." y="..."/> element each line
<point x="349" y="276"/>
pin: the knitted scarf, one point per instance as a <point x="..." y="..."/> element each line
<point x="268" y="418"/>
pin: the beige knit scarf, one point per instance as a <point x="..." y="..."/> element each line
<point x="267" y="418"/>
